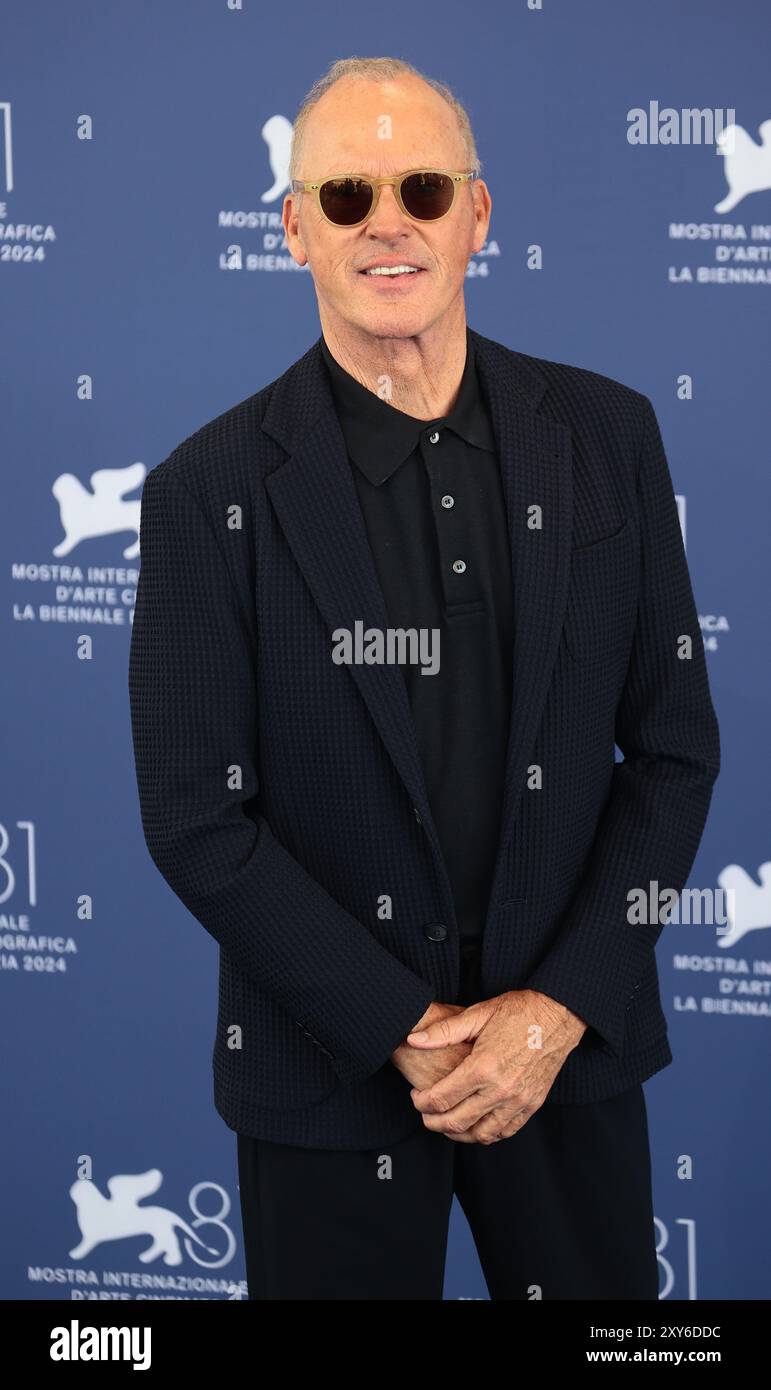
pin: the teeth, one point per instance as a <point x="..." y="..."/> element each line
<point x="393" y="270"/>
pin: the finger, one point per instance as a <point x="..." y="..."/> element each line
<point x="515" y="1125"/>
<point x="500" y="1124"/>
<point x="461" y="1118"/>
<point x="457" y="1028"/>
<point x="463" y="1081"/>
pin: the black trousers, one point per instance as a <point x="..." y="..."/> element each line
<point x="562" y="1210"/>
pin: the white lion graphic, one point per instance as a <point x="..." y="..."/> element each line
<point x="277" y="134"/>
<point x="119" y="1215"/>
<point x="101" y="512"/>
<point x="749" y="903"/>
<point x="747" y="165"/>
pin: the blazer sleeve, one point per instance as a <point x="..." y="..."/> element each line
<point x="654" y="816"/>
<point x="194" y="719"/>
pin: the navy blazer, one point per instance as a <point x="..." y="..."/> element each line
<point x="282" y="796"/>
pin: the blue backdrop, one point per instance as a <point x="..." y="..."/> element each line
<point x="145" y="289"/>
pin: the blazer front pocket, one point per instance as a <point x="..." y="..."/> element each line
<point x="601" y="597"/>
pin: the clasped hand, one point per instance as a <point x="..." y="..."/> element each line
<point x="479" y="1073"/>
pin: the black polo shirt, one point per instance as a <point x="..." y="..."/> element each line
<point x="433" y="506"/>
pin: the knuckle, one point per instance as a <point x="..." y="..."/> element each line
<point x="498" y="1093"/>
<point x="486" y="1071"/>
<point x="437" y="1103"/>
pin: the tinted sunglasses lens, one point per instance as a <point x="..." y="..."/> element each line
<point x="427" y="195"/>
<point x="345" y="201"/>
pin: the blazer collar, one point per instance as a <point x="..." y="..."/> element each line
<point x="314" y="496"/>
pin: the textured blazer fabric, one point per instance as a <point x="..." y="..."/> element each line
<point x="282" y="795"/>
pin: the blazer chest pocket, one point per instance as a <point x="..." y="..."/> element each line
<point x="602" y="597"/>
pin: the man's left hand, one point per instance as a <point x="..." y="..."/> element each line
<point x="520" y="1041"/>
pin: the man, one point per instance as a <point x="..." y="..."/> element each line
<point x="418" y="869"/>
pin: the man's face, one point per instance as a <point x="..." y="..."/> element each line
<point x="342" y="136"/>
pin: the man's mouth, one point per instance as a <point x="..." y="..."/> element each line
<point x="392" y="271"/>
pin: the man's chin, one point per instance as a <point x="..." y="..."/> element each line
<point x="388" y="322"/>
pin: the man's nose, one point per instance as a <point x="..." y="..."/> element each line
<point x="388" y="219"/>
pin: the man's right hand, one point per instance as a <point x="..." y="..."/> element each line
<point x="425" y="1068"/>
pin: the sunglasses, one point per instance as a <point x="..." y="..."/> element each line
<point x="347" y="200"/>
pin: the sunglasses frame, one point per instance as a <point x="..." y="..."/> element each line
<point x="395" y="180"/>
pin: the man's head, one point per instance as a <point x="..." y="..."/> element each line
<point x="380" y="116"/>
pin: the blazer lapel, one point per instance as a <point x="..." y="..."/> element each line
<point x="535" y="457"/>
<point x="315" y="500"/>
<point x="314" y="496"/>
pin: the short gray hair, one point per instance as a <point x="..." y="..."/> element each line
<point x="378" y="70"/>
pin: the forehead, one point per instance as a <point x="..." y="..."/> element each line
<point x="380" y="128"/>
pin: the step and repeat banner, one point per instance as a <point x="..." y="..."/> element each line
<point x="145" y="288"/>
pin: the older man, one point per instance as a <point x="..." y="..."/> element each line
<point x="419" y="874"/>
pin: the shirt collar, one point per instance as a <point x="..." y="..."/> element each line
<point x="379" y="438"/>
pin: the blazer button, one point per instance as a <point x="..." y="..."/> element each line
<point x="436" y="932"/>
